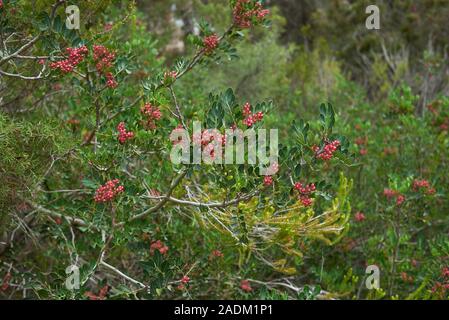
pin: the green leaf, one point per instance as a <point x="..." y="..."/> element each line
<point x="327" y="117"/>
<point x="298" y="169"/>
<point x="90" y="184"/>
<point x="57" y="24"/>
<point x="43" y="22"/>
<point x="229" y="99"/>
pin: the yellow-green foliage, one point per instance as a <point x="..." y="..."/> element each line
<point x="26" y="153"/>
<point x="256" y="231"/>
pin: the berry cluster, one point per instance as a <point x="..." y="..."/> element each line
<point x="400" y="199"/>
<point x="152" y="113"/>
<point x="246" y="109"/>
<point x="422" y="185"/>
<point x="210" y="43"/>
<point x="217" y="254"/>
<point x="108" y="191"/>
<point x="250" y="118"/>
<point x="445" y="273"/>
<point x="304" y="193"/>
<point x="6" y="281"/>
<point x="170" y="76"/>
<point x="1" y="4"/>
<point x="361" y="143"/>
<point x="75" y="57"/>
<point x="305" y="189"/>
<point x="208" y="136"/>
<point x="268" y="180"/>
<point x="110" y="80"/>
<point x="441" y="287"/>
<point x="389" y="193"/>
<point x="328" y="150"/>
<point x="245" y="286"/>
<point x="359" y="216"/>
<point x="159" y="246"/>
<point x="272" y="170"/>
<point x="124" y="135"/>
<point x="246" y="12"/>
<point x="104" y="59"/>
<point x="184" y="280"/>
<point x="208" y="139"/>
<point x="101" y="294"/>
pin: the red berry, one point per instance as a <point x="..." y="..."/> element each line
<point x="110" y="80"/>
<point x="268" y="180"/>
<point x="108" y="191"/>
<point x="75" y="57"/>
<point x="217" y="253"/>
<point x="210" y="43"/>
<point x="124" y="135"/>
<point x="152" y="113"/>
<point x="305" y="201"/>
<point x="328" y="150"/>
<point x="246" y="109"/>
<point x="104" y="58"/>
<point x="245" y="12"/>
<point x="159" y="246"/>
<point x="390" y="193"/>
<point x="5" y="282"/>
<point x="359" y="216"/>
<point x="185" y="279"/>
<point x="245" y="286"/>
<point x="400" y="199"/>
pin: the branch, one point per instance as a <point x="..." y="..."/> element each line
<point x="136" y="101"/>
<point x="20" y="50"/>
<point x="72" y="220"/>
<point x="190" y="66"/>
<point x="173" y="185"/>
<point x="18" y="75"/>
<point x="124" y="275"/>
<point x="323" y="295"/>
<point x="223" y="204"/>
<point x="178" y="109"/>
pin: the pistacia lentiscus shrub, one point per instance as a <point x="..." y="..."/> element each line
<point x="97" y="190"/>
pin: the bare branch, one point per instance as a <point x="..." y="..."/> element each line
<point x="20" y="50"/>
<point x="223" y="204"/>
<point x="173" y="185"/>
<point x="121" y="274"/>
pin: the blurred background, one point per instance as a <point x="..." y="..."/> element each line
<point x="317" y="48"/>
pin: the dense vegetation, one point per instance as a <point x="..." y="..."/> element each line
<point x="87" y="182"/>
